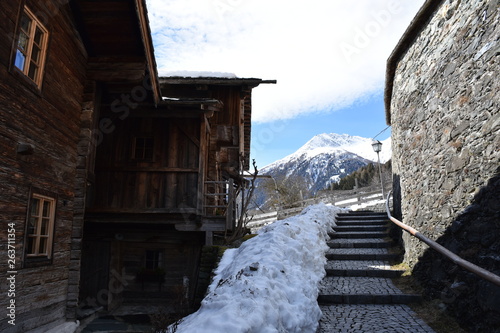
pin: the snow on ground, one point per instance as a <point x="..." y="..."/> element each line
<point x="379" y="202"/>
<point x="270" y="283"/>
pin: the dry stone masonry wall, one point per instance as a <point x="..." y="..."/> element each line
<point x="446" y="150"/>
<point x="445" y="114"/>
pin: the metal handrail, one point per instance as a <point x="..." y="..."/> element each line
<point x="487" y="275"/>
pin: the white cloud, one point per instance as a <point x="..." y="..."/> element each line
<point x="325" y="54"/>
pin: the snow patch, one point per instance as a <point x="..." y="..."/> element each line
<point x="270" y="283"/>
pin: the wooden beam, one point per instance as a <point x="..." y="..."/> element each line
<point x="148" y="49"/>
<point x="155" y="113"/>
<point x="192" y="138"/>
<point x="205" y="225"/>
<point x="110" y="69"/>
<point x="252" y="82"/>
<point x="150" y="169"/>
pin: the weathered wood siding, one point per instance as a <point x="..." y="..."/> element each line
<point x="226" y="136"/>
<point x="49" y="120"/>
<point x="165" y="183"/>
<point x="112" y="278"/>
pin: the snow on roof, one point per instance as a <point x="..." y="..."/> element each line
<point x="270" y="283"/>
<point x="199" y="74"/>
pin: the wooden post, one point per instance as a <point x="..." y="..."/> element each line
<point x="209" y="238"/>
<point x="202" y="151"/>
<point x="230" y="206"/>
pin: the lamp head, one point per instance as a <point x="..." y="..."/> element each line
<point x="377" y="146"/>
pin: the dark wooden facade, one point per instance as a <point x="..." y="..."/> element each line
<point x="48" y="132"/>
<point x="138" y="183"/>
<point x="39" y="132"/>
<point x="162" y="187"/>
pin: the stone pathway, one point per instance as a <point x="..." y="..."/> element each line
<point x="357" y="295"/>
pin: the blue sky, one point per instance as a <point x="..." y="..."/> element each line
<point x="274" y="140"/>
<point x="328" y="56"/>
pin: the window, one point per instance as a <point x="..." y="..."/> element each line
<point x="31" y="47"/>
<point x="143" y="148"/>
<point x="40" y="226"/>
<point x="153" y="259"/>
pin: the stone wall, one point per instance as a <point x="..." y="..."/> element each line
<point x="475" y="236"/>
<point x="444" y="112"/>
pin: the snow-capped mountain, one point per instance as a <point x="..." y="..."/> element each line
<point x="326" y="158"/>
<point x="331" y="143"/>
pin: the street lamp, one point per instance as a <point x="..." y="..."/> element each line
<point x="377" y="147"/>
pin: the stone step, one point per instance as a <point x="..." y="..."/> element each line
<point x="362" y="318"/>
<point x="349" y="217"/>
<point x="355" y="234"/>
<point x="361" y="222"/>
<point x="360" y="243"/>
<point x="360" y="255"/>
<point x="358" y="268"/>
<point x="389" y="273"/>
<point x="362" y="218"/>
<point x="362" y="290"/>
<point x="362" y="213"/>
<point x="358" y="228"/>
<point x="369" y="299"/>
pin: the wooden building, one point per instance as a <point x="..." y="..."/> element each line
<point x="163" y="185"/>
<point x="42" y="78"/>
<point x="104" y="182"/>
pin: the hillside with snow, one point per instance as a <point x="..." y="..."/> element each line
<point x="325" y="159"/>
<point x="337" y="144"/>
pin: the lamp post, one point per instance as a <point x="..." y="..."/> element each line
<point x="377" y="147"/>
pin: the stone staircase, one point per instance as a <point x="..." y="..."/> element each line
<point x="358" y="269"/>
<point x="357" y="294"/>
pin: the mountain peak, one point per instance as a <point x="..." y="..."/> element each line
<point x="324" y="159"/>
<point x="330" y="143"/>
<point x="330" y="140"/>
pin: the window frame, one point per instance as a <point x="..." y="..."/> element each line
<point x="157" y="261"/>
<point x="28" y="62"/>
<point x="37" y="256"/>
<point x="143" y="148"/>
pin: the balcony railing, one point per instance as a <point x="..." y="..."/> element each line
<point x="220" y="201"/>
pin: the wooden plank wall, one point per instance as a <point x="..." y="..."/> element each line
<point x="225" y="136"/>
<point x="49" y="120"/>
<point x="124" y="257"/>
<point x="168" y="182"/>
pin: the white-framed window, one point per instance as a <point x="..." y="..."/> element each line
<point x="31" y="47"/>
<point x="40" y="229"/>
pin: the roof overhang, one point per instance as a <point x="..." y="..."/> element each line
<point x="250" y="82"/>
<point x="142" y="13"/>
<point x="117" y="38"/>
